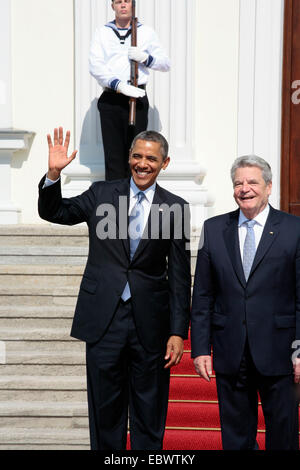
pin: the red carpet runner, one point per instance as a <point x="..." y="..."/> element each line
<point x="193" y="416"/>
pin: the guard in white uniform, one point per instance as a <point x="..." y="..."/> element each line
<point x="110" y="56"/>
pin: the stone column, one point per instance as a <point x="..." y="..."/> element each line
<point x="5" y="65"/>
<point x="10" y="140"/>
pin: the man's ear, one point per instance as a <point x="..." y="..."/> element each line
<point x="166" y="163"/>
<point x="270" y="188"/>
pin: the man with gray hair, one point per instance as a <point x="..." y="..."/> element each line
<point x="246" y="308"/>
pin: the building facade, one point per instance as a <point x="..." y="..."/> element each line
<point x="222" y="98"/>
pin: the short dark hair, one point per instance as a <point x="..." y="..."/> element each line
<point x="153" y="136"/>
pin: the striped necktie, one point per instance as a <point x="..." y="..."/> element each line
<point x="136" y="223"/>
<point x="135" y="231"/>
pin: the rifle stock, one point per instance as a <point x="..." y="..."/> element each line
<point x="133" y="67"/>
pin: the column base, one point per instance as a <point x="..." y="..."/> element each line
<point x="79" y="178"/>
<point x="11" y="141"/>
<point x="185" y="179"/>
<point x="9" y="215"/>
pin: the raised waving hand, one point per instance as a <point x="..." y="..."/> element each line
<point x="58" y="153"/>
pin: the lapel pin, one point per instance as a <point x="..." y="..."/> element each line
<point x="161" y="210"/>
<point x="271" y="233"/>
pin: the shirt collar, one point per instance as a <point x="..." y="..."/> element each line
<point x="112" y="25"/>
<point x="260" y="219"/>
<point x="149" y="192"/>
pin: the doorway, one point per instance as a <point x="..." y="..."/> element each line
<point x="290" y="148"/>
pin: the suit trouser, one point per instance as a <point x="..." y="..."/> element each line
<point x="122" y="375"/>
<point x="238" y="404"/>
<point x="117" y="135"/>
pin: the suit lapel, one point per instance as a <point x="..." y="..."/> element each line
<point x="269" y="235"/>
<point x="231" y="238"/>
<point x="121" y="204"/>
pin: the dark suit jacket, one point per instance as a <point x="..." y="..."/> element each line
<point x="159" y="273"/>
<point x="266" y="309"/>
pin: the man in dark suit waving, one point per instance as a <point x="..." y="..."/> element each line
<point x="246" y="306"/>
<point x="133" y="305"/>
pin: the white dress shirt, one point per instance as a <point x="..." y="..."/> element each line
<point x="109" y="62"/>
<point x="258" y="228"/>
<point x="48" y="182"/>
<point x="146" y="201"/>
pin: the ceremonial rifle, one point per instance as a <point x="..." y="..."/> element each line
<point x="134" y="70"/>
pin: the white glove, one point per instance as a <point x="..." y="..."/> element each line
<point x="134" y="53"/>
<point x="129" y="90"/>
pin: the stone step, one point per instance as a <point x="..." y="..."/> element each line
<point x="45" y="396"/>
<point x="43" y="370"/>
<point x="35" y="295"/>
<point x="28" y="422"/>
<point x="62" y="437"/>
<point x="36" y="291"/>
<point x="35" y="259"/>
<point x="37" y="250"/>
<point x="44" y="229"/>
<point x="18" y="300"/>
<point x="58" y="236"/>
<point x="38" y="281"/>
<point x="40" y="447"/>
<point x="61" y="231"/>
<point x="45" y="352"/>
<point x="34" y="329"/>
<point x="38" y="295"/>
<point x="18" y="273"/>
<point x="39" y="254"/>
<point x="38" y="382"/>
<point x="39" y="269"/>
<point x="40" y="408"/>
<point x="36" y="311"/>
<point x="40" y="239"/>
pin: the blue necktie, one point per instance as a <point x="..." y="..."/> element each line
<point x="136" y="223"/>
<point x="135" y="231"/>
<point x="249" y="248"/>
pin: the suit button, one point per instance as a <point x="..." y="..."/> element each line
<point x="244" y="322"/>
